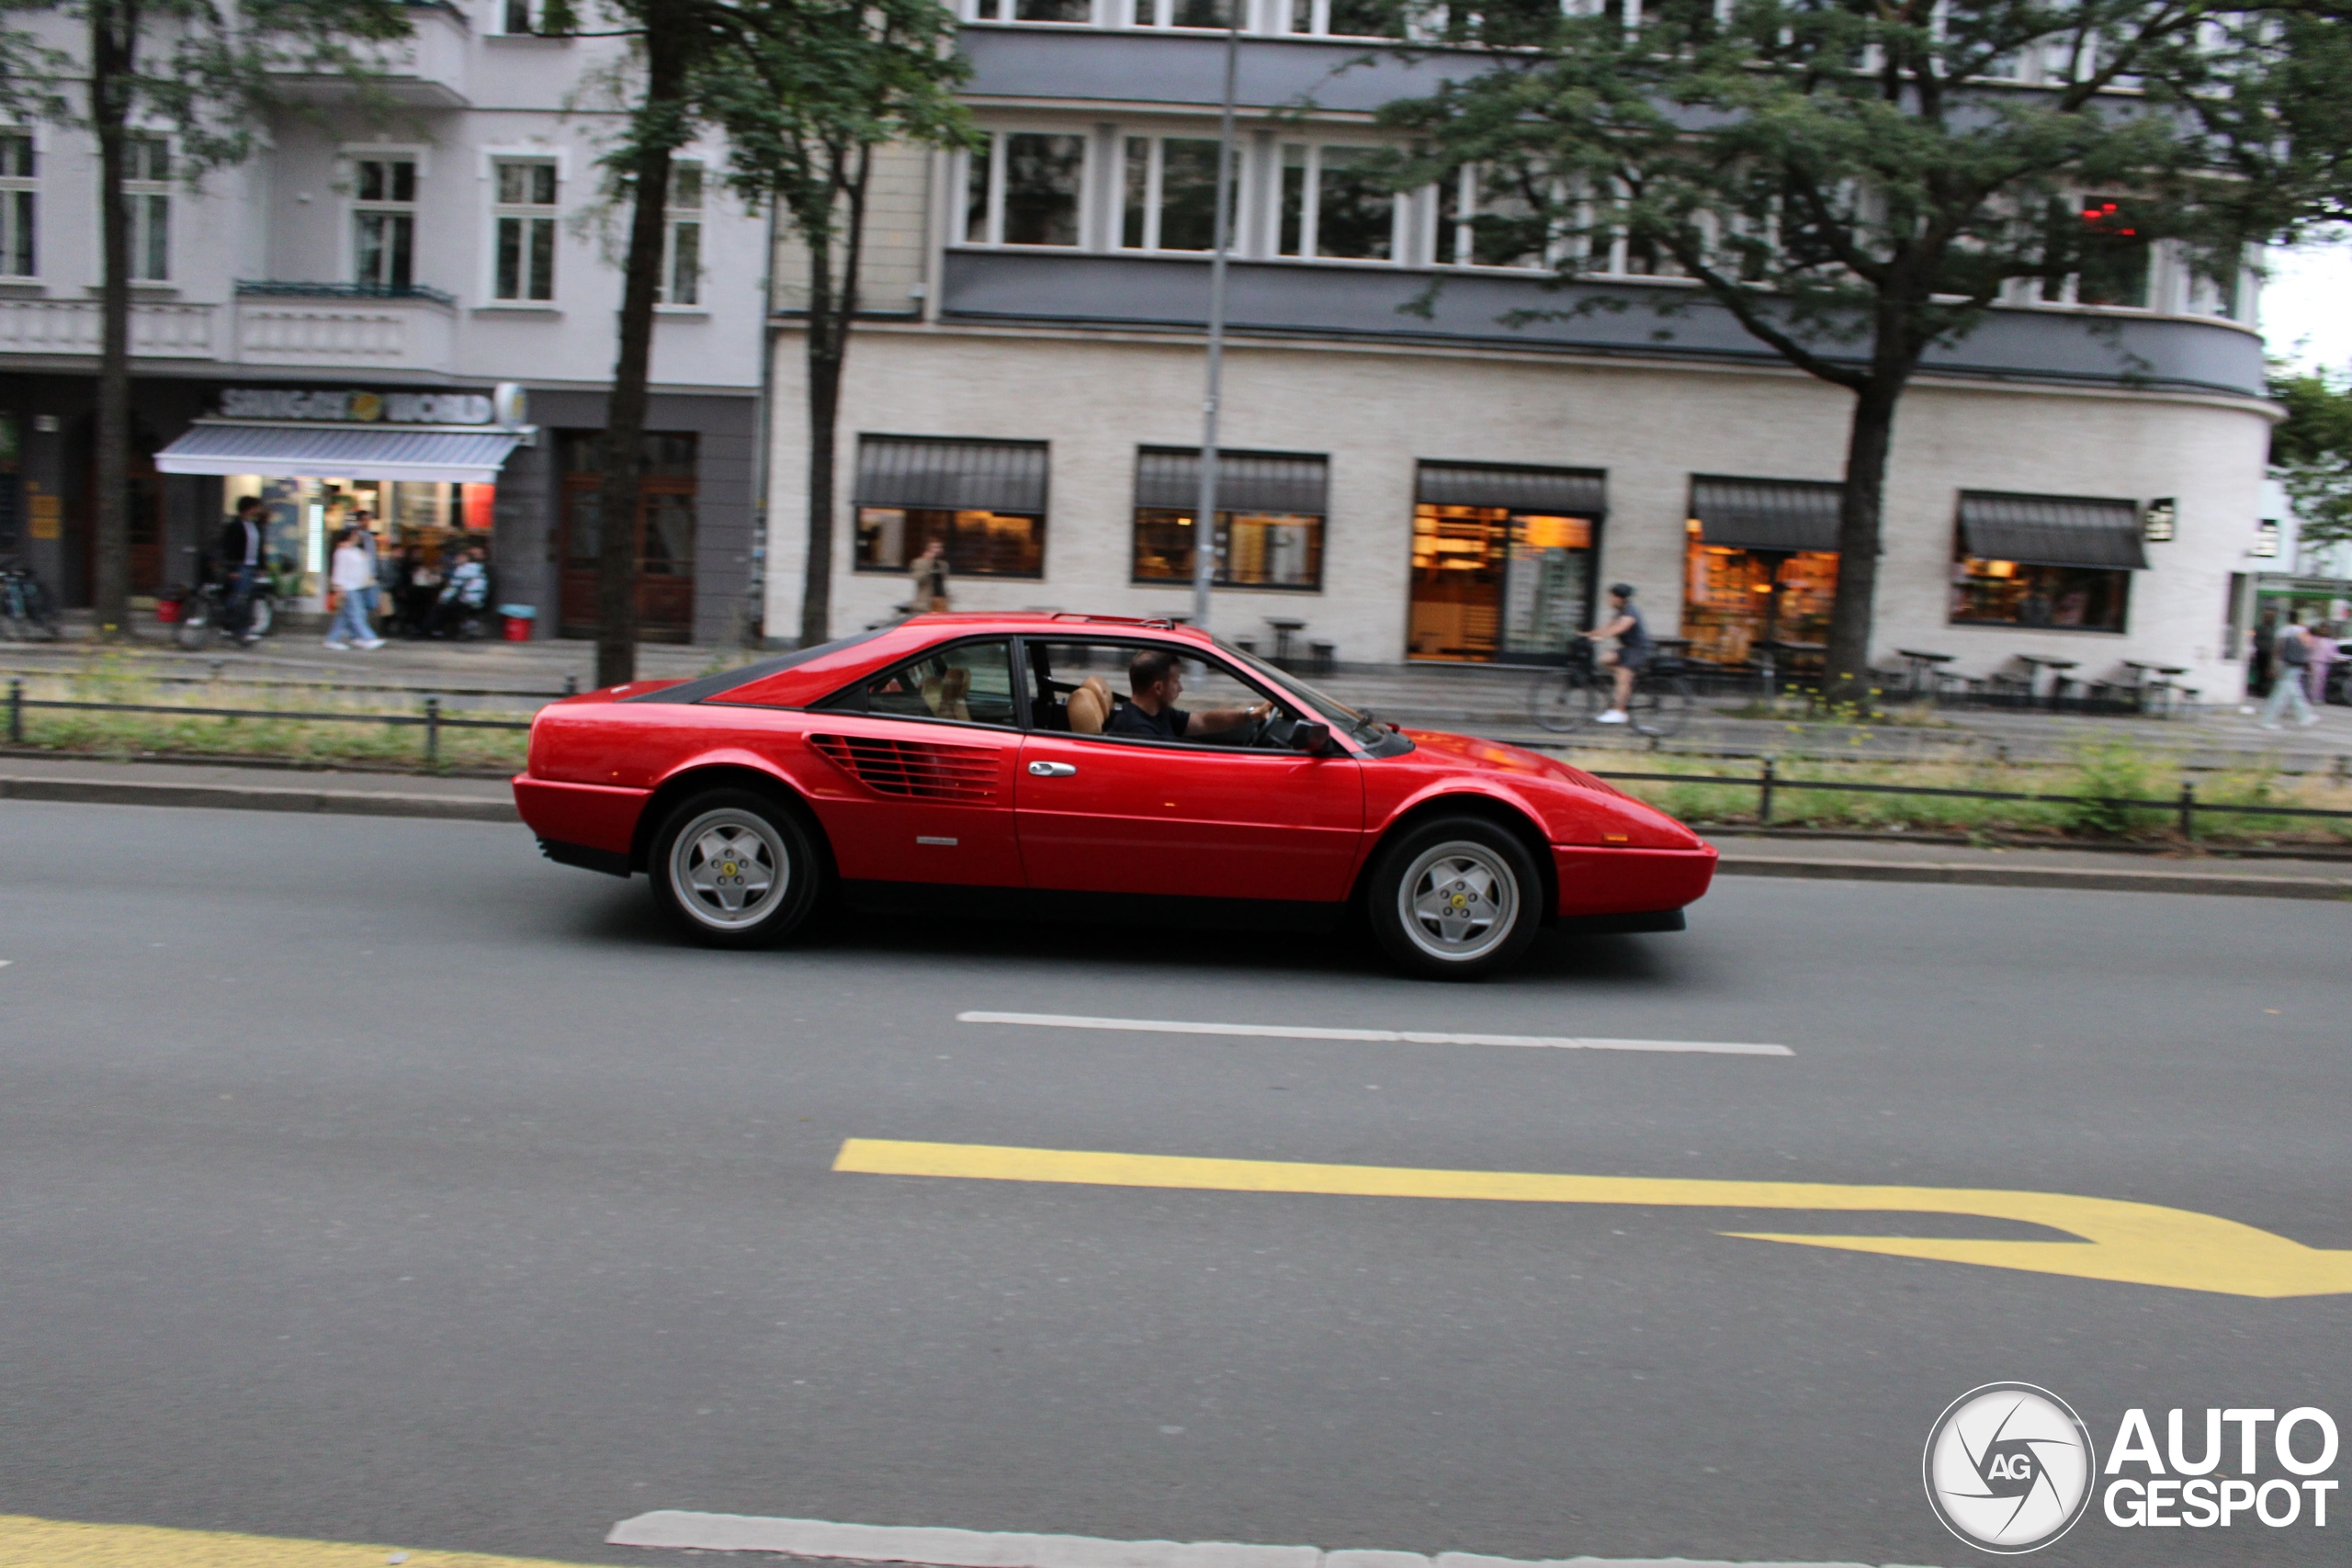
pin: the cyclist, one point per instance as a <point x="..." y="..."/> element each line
<point x="1633" y="655"/>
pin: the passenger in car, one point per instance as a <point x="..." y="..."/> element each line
<point x="1152" y="713"/>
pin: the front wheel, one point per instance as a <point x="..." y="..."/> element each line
<point x="1664" y="705"/>
<point x="1563" y="700"/>
<point x="735" y="869"/>
<point x="1455" y="898"/>
<point x="260" y="615"/>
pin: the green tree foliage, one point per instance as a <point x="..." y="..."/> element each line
<point x="214" y="74"/>
<point x="805" y="110"/>
<point x="2310" y="450"/>
<point x="1859" y="181"/>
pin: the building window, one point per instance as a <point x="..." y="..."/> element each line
<point x="1217" y="14"/>
<point x="2109" y="254"/>
<point x="515" y="16"/>
<point x="1169" y="194"/>
<point x="1269" y="528"/>
<point x="1334" y="203"/>
<point x="681" y="247"/>
<point x="2045" y="561"/>
<point x="1348" y="19"/>
<point x="1502" y="559"/>
<point x="985" y="501"/>
<point x="1023" y="188"/>
<point x="1761" y="569"/>
<point x="1484" y="220"/>
<point x="525" y="222"/>
<point x="384" y="223"/>
<point x="147" y="199"/>
<point x="19" y="199"/>
<point x="1033" y="10"/>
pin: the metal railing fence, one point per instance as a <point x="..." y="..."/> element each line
<point x="430" y="717"/>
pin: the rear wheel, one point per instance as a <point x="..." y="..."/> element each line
<point x="1453" y="898"/>
<point x="196" y="626"/>
<point x="1662" y="705"/>
<point x="735" y="869"/>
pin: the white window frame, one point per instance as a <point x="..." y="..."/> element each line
<point x="526" y="213"/>
<point x="992" y="222"/>
<point x="351" y="157"/>
<point x="20" y="208"/>
<point x="1003" y="11"/>
<point x="1161" y="15"/>
<point x="677" y="218"/>
<point x="149" y="202"/>
<point x="1155" y="165"/>
<point x="1400" y="237"/>
<point x="503" y="13"/>
<point x="1454" y="242"/>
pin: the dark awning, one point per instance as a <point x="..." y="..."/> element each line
<point x="2052" y="530"/>
<point x="951" y="475"/>
<point x="322" y="452"/>
<point x="1246" y="481"/>
<point x="1766" y="514"/>
<point x="1578" y="493"/>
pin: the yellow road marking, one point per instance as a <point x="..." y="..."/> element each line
<point x="59" y="1543"/>
<point x="2138" y="1244"/>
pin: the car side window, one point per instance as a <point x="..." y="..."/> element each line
<point x="1081" y="687"/>
<point x="970" y="683"/>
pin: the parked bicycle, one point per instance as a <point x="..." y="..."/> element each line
<point x="28" y="611"/>
<point x="203" y="609"/>
<point x="1581" y="689"/>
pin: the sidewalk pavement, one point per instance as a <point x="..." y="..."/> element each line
<point x="1485" y="700"/>
<point x="232" y="787"/>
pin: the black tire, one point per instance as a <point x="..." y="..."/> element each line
<point x="196" y="628"/>
<point x="695" y="886"/>
<point x="1662" y="705"/>
<point x="1564" y="699"/>
<point x="1446" y="860"/>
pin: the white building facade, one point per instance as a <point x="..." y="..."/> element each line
<point x="2079" y="479"/>
<point x="379" y="275"/>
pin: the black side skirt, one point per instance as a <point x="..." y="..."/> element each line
<point x="920" y="898"/>
<point x="610" y="862"/>
<point x="1617" y="925"/>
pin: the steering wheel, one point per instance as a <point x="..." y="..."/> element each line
<point x="1273" y="732"/>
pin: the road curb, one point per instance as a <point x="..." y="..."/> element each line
<point x="247" y="797"/>
<point x="2212" y="884"/>
<point x="458" y="808"/>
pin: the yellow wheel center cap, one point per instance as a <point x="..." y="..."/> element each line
<point x="727" y="868"/>
<point x="1461" y="900"/>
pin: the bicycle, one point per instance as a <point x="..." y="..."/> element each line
<point x="1575" y="695"/>
<point x="201" y="612"/>
<point x="28" y="612"/>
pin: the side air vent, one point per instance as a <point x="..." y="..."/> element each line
<point x="916" y="769"/>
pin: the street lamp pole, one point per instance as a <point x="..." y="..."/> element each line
<point x="1204" y="512"/>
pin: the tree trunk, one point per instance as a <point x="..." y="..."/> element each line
<point x="114" y="30"/>
<point x="661" y="121"/>
<point x="831" y="313"/>
<point x="1846" y="668"/>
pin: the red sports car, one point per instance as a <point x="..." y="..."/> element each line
<point x="1094" y="766"/>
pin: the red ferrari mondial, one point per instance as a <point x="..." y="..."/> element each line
<point x="1091" y="766"/>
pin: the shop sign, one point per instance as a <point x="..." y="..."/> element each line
<point x="2156" y="522"/>
<point x="347" y="407"/>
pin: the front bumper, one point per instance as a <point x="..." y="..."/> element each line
<point x="1630" y="881"/>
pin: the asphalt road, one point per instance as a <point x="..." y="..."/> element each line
<point x="374" y="1179"/>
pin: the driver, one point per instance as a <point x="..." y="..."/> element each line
<point x="1153" y="677"/>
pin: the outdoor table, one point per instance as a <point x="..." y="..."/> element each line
<point x="2156" y="690"/>
<point x="1284" y="626"/>
<point x="1770" y="666"/>
<point x="2036" y="663"/>
<point x="1923" y="669"/>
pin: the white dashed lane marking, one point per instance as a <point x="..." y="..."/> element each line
<point x="1368" y="1036"/>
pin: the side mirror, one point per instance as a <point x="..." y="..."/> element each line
<point x="1314" y="739"/>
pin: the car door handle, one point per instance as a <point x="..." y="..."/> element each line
<point x="1051" y="769"/>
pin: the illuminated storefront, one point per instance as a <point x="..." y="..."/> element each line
<point x="1760" y="569"/>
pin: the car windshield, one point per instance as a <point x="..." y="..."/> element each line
<point x="1357" y="723"/>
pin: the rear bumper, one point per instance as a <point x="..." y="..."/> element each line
<point x="595" y="816"/>
<point x="1630" y="881"/>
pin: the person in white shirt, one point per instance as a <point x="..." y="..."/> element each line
<point x="350" y="575"/>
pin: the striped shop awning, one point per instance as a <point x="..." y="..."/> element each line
<point x="943" y="474"/>
<point x="1170" y="476"/>
<point x="1766" y="514"/>
<point x="339" y="451"/>
<point x="1574" y="492"/>
<point x="2052" y="530"/>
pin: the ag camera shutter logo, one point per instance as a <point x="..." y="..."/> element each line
<point x="2009" y="1466"/>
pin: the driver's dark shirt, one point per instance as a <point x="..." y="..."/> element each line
<point x="1168" y="724"/>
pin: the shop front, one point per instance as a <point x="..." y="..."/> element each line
<point x="1502" y="562"/>
<point x="1760" y="570"/>
<point x="418" y="469"/>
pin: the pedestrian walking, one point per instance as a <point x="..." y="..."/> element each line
<point x="2290" y="659"/>
<point x="347" y="574"/>
<point x="373" y="595"/>
<point x="929" y="575"/>
<point x="2323" y="654"/>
